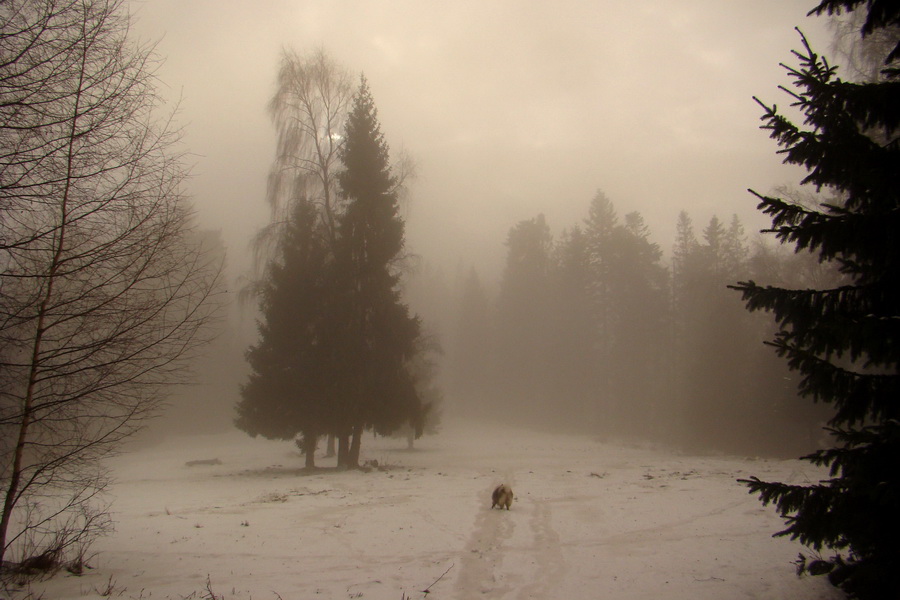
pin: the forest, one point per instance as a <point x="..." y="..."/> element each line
<point x="594" y="329"/>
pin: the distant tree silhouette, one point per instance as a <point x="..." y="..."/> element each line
<point x="714" y="338"/>
<point x="843" y="340"/>
<point x="641" y="333"/>
<point x="629" y="298"/>
<point x="523" y="328"/>
<point x="472" y="358"/>
<point x="426" y="415"/>
<point x="572" y="345"/>
<point x="601" y="230"/>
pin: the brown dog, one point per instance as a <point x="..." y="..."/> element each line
<point x="502" y="496"/>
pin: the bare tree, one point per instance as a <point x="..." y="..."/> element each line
<point x="105" y="290"/>
<point x="861" y="57"/>
<point x="309" y="109"/>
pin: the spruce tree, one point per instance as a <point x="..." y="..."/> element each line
<point x="290" y="390"/>
<point x="601" y="230"/>
<point x="471" y="356"/>
<point x="572" y="344"/>
<point x="685" y="247"/>
<point x="523" y="333"/>
<point x="845" y="340"/>
<point x="381" y="337"/>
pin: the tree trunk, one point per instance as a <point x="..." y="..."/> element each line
<point x="309" y="448"/>
<point x="111" y="315"/>
<point x="343" y="450"/>
<point x="13" y="491"/>
<point x="355" y="444"/>
<point x="329" y="448"/>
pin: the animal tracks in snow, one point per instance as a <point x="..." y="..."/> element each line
<point x="512" y="554"/>
<point x="483" y="556"/>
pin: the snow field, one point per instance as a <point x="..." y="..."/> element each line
<point x="590" y="520"/>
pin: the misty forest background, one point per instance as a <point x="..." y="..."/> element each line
<point x="593" y="326"/>
<point x="595" y="329"/>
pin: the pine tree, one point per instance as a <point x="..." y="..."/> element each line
<point x="685" y="247"/>
<point x="290" y="390"/>
<point x="471" y="358"/>
<point x="844" y="340"/>
<point x="572" y="343"/>
<point x="628" y="290"/>
<point x="714" y="235"/>
<point x="714" y="336"/>
<point x="735" y="250"/>
<point x="685" y="270"/>
<point x="523" y="331"/>
<point x="381" y="337"/>
<point x="601" y="228"/>
<point x="640" y="293"/>
<point x="424" y="369"/>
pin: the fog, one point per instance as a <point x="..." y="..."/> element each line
<point x="509" y="109"/>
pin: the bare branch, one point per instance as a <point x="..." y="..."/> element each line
<point x="106" y="289"/>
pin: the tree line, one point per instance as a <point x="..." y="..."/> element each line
<point x="593" y="328"/>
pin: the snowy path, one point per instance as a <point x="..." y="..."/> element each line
<point x="590" y="520"/>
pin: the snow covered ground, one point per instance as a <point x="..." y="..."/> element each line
<point x="590" y="520"/>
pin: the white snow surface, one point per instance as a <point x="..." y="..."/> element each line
<point x="591" y="519"/>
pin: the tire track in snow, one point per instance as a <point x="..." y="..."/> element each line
<point x="548" y="559"/>
<point x="500" y="562"/>
<point x="483" y="556"/>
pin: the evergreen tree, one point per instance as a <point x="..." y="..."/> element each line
<point x="601" y="228"/>
<point x="714" y="250"/>
<point x="791" y="425"/>
<point x="523" y="331"/>
<point x="573" y="340"/>
<point x="844" y="340"/>
<point x="424" y="368"/>
<point x="628" y="288"/>
<point x="735" y="250"/>
<point x="641" y="331"/>
<point x="290" y="389"/>
<point x="685" y="274"/>
<point x="685" y="246"/>
<point x="715" y="338"/>
<point x="381" y="335"/>
<point x="472" y="356"/>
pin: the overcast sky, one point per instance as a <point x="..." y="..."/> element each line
<point x="509" y="108"/>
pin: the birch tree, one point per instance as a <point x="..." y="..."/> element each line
<point x="105" y="290"/>
<point x="309" y="109"/>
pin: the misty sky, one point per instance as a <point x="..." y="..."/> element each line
<point x="509" y="108"/>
